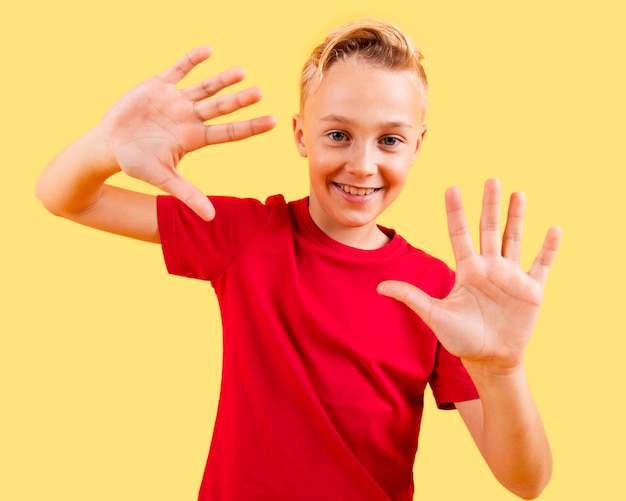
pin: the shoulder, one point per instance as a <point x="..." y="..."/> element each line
<point x="226" y="207"/>
<point x="202" y="249"/>
<point x="416" y="266"/>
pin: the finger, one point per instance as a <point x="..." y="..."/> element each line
<point x="235" y="131"/>
<point x="414" y="298"/>
<point x="490" y="219"/>
<point x="214" y="84"/>
<point x="544" y="260"/>
<point x="512" y="239"/>
<point x="227" y="103"/>
<point x="190" y="195"/>
<point x="185" y="64"/>
<point x="458" y="230"/>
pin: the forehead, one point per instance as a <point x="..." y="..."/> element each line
<point x="353" y="88"/>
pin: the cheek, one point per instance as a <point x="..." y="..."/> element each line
<point x="397" y="175"/>
<point x="323" y="161"/>
<point x="318" y="171"/>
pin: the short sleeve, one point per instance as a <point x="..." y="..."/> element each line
<point x="450" y="381"/>
<point x="201" y="249"/>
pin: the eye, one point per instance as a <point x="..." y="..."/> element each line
<point x="337" y="136"/>
<point x="390" y="141"/>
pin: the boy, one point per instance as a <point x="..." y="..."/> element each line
<point x="324" y="365"/>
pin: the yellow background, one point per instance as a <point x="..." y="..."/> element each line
<point x="109" y="368"/>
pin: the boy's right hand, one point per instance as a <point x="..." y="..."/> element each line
<point x="151" y="128"/>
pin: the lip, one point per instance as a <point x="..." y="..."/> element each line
<point x="356" y="198"/>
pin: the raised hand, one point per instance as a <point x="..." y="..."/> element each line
<point x="153" y="126"/>
<point x="490" y="314"/>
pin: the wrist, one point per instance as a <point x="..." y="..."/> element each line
<point x="101" y="153"/>
<point x="74" y="179"/>
<point x="480" y="369"/>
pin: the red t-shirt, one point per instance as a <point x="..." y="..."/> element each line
<point x="323" y="378"/>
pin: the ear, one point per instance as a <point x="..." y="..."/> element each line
<point x="420" y="140"/>
<point x="298" y="135"/>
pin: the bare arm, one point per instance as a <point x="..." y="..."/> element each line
<point x="73" y="186"/>
<point x="145" y="135"/>
<point x="487" y="320"/>
<point x="507" y="429"/>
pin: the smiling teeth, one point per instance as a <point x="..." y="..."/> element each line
<point x="356" y="191"/>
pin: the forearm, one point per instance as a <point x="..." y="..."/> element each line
<point x="73" y="181"/>
<point x="511" y="436"/>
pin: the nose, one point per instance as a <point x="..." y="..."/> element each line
<point x="362" y="161"/>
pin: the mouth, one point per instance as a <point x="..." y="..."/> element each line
<point x="356" y="191"/>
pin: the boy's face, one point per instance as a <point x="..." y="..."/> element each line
<point x="361" y="130"/>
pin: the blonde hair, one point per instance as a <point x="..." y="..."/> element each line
<point x="376" y="42"/>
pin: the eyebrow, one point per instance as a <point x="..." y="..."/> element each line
<point x="392" y="123"/>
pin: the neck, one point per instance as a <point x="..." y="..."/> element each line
<point x="368" y="237"/>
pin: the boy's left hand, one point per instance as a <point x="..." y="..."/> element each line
<point x="489" y="316"/>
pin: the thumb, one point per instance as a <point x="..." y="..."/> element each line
<point x="416" y="299"/>
<point x="191" y="196"/>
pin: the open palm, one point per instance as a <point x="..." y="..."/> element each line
<point x="491" y="312"/>
<point x="152" y="127"/>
